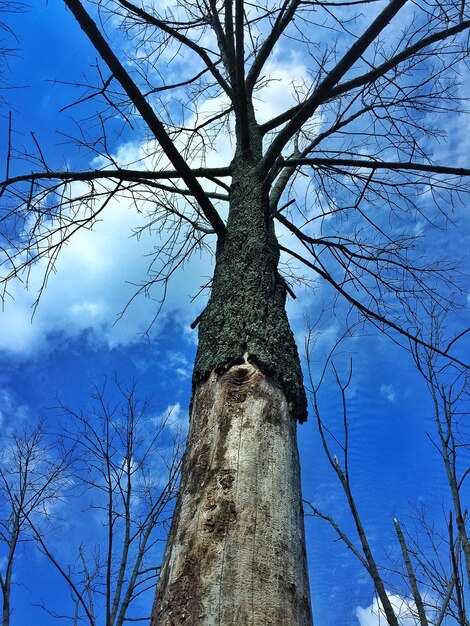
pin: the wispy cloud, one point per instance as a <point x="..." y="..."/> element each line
<point x="388" y="391"/>
<point x="12" y="412"/>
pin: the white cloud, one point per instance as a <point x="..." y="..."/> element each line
<point x="373" y="615"/>
<point x="175" y="418"/>
<point x="12" y="414"/>
<point x="285" y="71"/>
<point x="95" y="278"/>
<point x="179" y="364"/>
<point x="388" y="392"/>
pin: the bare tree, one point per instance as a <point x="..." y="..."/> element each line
<point x="449" y="389"/>
<point x="364" y="120"/>
<point x="6" y="35"/>
<point x="33" y="477"/>
<point x="125" y="478"/>
<point x="341" y="468"/>
<point x="430" y="567"/>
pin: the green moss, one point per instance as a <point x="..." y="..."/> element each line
<point x="246" y="310"/>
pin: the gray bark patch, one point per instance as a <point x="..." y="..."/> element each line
<point x="236" y="553"/>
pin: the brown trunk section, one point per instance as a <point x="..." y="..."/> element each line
<point x="236" y="552"/>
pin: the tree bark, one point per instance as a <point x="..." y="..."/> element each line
<point x="246" y="311"/>
<point x="6" y="609"/>
<point x="423" y="620"/>
<point x="236" y="551"/>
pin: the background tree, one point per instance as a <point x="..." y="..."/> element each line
<point x="448" y="387"/>
<point x="362" y="126"/>
<point x="124" y="476"/>
<point x="430" y="575"/>
<point x="6" y="37"/>
<point x="33" y="479"/>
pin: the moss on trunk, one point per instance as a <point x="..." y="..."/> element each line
<point x="246" y="310"/>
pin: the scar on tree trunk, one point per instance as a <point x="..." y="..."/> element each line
<point x="236" y="551"/>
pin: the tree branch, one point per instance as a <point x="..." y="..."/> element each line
<point x="369" y="313"/>
<point x="377" y="165"/>
<point x="285" y="16"/>
<point x="411" y="574"/>
<point x="407" y="53"/>
<point x="375" y="73"/>
<point x="90" y="29"/>
<point x="240" y="89"/>
<point x="317" y="513"/>
<point x="120" y="174"/>
<point x="323" y="91"/>
<point x="62" y="572"/>
<point x="162" y="25"/>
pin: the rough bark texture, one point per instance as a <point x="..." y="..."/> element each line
<point x="236" y="551"/>
<point x="246" y="311"/>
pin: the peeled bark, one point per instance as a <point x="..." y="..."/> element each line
<point x="236" y="551"/>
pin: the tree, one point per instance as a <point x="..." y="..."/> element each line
<point x="361" y="130"/>
<point x="433" y="559"/>
<point x="125" y="475"/>
<point x="33" y="477"/>
<point x="6" y="35"/>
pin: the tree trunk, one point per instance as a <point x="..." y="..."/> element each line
<point x="6" y="609"/>
<point x="236" y="551"/>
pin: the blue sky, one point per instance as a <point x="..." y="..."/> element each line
<point x="76" y="339"/>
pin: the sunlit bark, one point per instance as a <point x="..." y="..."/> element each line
<point x="236" y="552"/>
